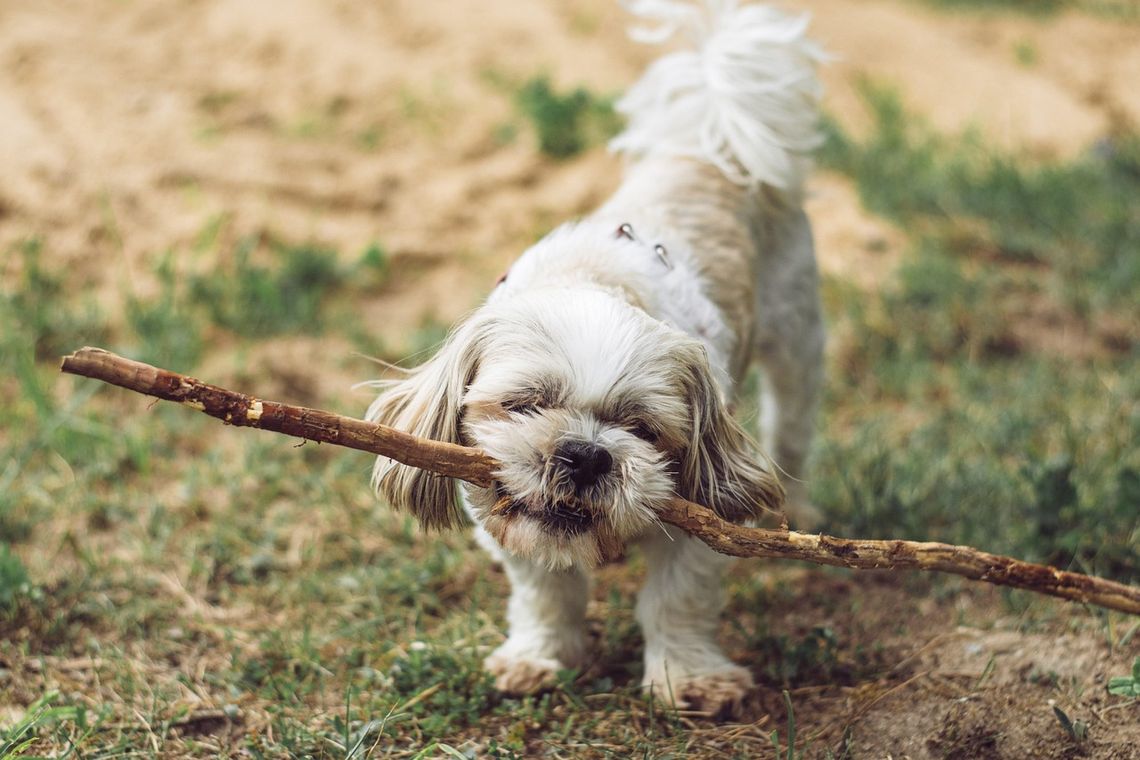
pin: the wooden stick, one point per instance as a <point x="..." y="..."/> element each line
<point x="864" y="554"/>
<point x="241" y="410"/>
<point x="474" y="466"/>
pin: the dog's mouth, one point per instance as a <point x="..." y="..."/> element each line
<point x="561" y="534"/>
<point x="567" y="518"/>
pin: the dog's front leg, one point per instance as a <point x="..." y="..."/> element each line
<point x="546" y="626"/>
<point x="679" y="612"/>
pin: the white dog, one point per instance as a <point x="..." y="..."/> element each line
<point x="601" y="370"/>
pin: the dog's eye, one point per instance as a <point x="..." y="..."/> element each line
<point x="644" y="432"/>
<point x="520" y="406"/>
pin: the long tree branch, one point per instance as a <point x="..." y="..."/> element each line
<point x="474" y="466"/>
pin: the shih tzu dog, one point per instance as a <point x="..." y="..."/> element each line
<point x="602" y="369"/>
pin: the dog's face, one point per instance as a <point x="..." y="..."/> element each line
<point x="596" y="412"/>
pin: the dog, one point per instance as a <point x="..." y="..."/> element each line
<point x="602" y="368"/>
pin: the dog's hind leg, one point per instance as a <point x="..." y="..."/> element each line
<point x="789" y="347"/>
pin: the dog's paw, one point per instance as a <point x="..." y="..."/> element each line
<point x="719" y="694"/>
<point x="518" y="675"/>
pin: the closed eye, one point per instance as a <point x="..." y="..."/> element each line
<point x="520" y="406"/>
<point x="526" y="401"/>
<point x="529" y="400"/>
<point x="644" y="432"/>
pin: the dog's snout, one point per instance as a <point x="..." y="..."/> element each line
<point x="585" y="462"/>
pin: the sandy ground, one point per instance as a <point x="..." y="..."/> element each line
<point x="127" y="127"/>
<point x="349" y="122"/>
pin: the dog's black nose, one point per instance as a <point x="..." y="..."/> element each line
<point x="585" y="462"/>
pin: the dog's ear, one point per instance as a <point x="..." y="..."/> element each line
<point x="427" y="403"/>
<point x="721" y="467"/>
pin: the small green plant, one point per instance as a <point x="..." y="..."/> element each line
<point x="813" y="658"/>
<point x="1031" y="7"/>
<point x="1119" y="9"/>
<point x="1078" y="730"/>
<point x="791" y="753"/>
<point x="286" y="668"/>
<point x="370" y="138"/>
<point x="356" y="736"/>
<point x="374" y="260"/>
<point x="441" y="689"/>
<point x="1127" y="686"/>
<point x="70" y="722"/>
<point x="1025" y="52"/>
<point x="168" y="330"/>
<point x="257" y="300"/>
<point x="290" y="293"/>
<point x="14" y="581"/>
<point x="320" y="121"/>
<point x="40" y="312"/>
<point x="567" y="123"/>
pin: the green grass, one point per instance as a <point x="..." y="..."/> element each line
<point x="1127" y="686"/>
<point x="257" y="300"/>
<point x="1115" y="9"/>
<point x="971" y="426"/>
<point x="566" y="123"/>
<point x="38" y="309"/>
<point x="1032" y="7"/>
<point x="167" y="331"/>
<point x="1078" y="218"/>
<point x="14" y="582"/>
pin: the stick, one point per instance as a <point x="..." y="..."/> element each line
<point x="241" y="410"/>
<point x="931" y="556"/>
<point x="474" y="466"/>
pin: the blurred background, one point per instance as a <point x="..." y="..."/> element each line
<point x="268" y="195"/>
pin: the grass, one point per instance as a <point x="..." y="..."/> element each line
<point x="1076" y="219"/>
<point x="14" y="582"/>
<point x="1032" y="7"/>
<point x="1127" y="686"/>
<point x="566" y="123"/>
<point x="1114" y="9"/>
<point x="973" y="428"/>
<point x="257" y="300"/>
<point x="173" y="588"/>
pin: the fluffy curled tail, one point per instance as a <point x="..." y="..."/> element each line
<point x="745" y="99"/>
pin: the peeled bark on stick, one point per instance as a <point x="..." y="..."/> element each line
<point x="474" y="466"/>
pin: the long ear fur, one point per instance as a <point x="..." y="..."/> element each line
<point x="722" y="468"/>
<point x="427" y="403"/>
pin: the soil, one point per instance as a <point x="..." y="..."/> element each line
<point x="346" y="123"/>
<point x="130" y="128"/>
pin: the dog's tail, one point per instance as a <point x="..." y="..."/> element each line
<point x="745" y="98"/>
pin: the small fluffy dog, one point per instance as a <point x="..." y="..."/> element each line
<point x="601" y="370"/>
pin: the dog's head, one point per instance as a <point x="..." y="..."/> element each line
<point x="597" y="412"/>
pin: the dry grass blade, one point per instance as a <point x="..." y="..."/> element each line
<point x="476" y="467"/>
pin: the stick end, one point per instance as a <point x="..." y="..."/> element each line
<point x="68" y="363"/>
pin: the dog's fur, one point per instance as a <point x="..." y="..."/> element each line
<point x="601" y="371"/>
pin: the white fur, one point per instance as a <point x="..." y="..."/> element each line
<point x="672" y="292"/>
<point x="596" y="342"/>
<point x="745" y="99"/>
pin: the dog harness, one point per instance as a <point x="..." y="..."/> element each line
<point x="624" y="230"/>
